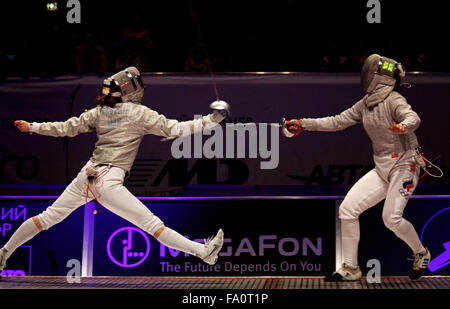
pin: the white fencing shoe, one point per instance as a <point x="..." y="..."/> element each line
<point x="345" y="273"/>
<point x="213" y="247"/>
<point x="420" y="264"/>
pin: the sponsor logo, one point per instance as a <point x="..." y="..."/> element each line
<point x="133" y="244"/>
<point x="442" y="259"/>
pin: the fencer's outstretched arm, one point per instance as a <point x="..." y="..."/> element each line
<point x="339" y="122"/>
<point x="347" y="118"/>
<point x="157" y="124"/>
<point x="405" y="119"/>
<point x="71" y="127"/>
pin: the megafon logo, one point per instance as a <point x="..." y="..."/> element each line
<point x="128" y="247"/>
<point x="264" y="244"/>
<point x="443" y="259"/>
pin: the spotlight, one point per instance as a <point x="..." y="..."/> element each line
<point x="52" y="6"/>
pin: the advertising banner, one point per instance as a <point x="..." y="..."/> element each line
<point x="49" y="251"/>
<point x="262" y="238"/>
<point x="277" y="236"/>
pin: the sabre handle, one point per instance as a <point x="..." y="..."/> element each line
<point x="291" y="128"/>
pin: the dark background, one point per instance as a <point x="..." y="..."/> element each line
<point x="236" y="36"/>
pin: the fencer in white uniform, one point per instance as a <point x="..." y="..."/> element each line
<point x="390" y="123"/>
<point x="120" y="122"/>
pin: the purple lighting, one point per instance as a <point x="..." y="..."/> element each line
<point x="444" y="258"/>
<point x="424" y="227"/>
<point x="441" y="260"/>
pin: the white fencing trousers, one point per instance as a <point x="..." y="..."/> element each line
<point x="110" y="193"/>
<point x="368" y="192"/>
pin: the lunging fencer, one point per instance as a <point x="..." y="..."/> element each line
<point x="121" y="122"/>
<point x="390" y="123"/>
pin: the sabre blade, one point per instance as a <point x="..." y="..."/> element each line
<point x="239" y="123"/>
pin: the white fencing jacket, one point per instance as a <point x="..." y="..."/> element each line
<point x="377" y="111"/>
<point x="120" y="130"/>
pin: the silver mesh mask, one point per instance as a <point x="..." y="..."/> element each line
<point x="126" y="84"/>
<point x="375" y="67"/>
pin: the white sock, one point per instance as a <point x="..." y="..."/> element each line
<point x="174" y="240"/>
<point x="24" y="233"/>
<point x="350" y="241"/>
<point x="407" y="233"/>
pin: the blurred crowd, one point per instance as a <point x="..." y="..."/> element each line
<point x="58" y="49"/>
<point x="89" y="53"/>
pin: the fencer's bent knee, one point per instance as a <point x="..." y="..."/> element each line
<point x="391" y="221"/>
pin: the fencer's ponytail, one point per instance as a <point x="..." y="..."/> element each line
<point x="107" y="100"/>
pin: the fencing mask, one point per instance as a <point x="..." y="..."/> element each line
<point x="126" y="84"/>
<point x="376" y="68"/>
